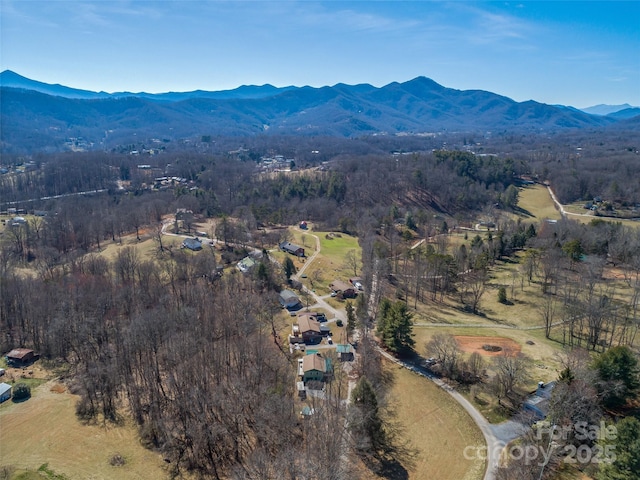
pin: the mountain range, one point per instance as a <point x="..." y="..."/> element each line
<point x="40" y="116"/>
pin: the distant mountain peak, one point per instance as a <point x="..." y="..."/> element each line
<point x="416" y="106"/>
<point x="603" y="109"/>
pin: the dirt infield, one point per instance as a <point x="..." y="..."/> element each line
<point x="469" y="343"/>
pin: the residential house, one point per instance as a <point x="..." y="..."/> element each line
<point x="345" y="352"/>
<point x="194" y="244"/>
<point x="20" y="357"/>
<point x="289" y="299"/>
<point x="538" y="403"/>
<point x="292" y="248"/>
<point x="308" y="329"/>
<point x="315" y="368"/>
<point x="246" y="264"/>
<point x="5" y="392"/>
<point x="346" y="289"/>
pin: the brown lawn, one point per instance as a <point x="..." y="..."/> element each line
<point x="436" y="426"/>
<point x="44" y="429"/>
<point x="470" y="344"/>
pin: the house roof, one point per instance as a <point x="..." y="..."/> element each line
<point x="310" y="315"/>
<point x="314" y="362"/>
<point x="192" y="243"/>
<point x="4" y="388"/>
<point x="340" y="286"/>
<point x="288" y="295"/>
<point x="246" y="264"/>
<point x="306" y="324"/>
<point x="290" y="247"/>
<point x="19" y="353"/>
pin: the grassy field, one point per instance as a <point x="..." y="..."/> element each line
<point x="147" y="247"/>
<point x="45" y="430"/>
<point x="543" y="353"/>
<point x="535" y="200"/>
<point x="331" y="263"/>
<point x="436" y="427"/>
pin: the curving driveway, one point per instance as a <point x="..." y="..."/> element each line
<point x="496" y="436"/>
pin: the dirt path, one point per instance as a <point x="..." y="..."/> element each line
<point x="560" y="207"/>
<point x="320" y="301"/>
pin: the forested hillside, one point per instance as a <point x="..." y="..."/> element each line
<point x="192" y="350"/>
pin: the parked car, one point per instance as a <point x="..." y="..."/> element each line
<point x="429" y="362"/>
<point x="334" y="294"/>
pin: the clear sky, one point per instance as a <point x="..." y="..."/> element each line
<point x="571" y="53"/>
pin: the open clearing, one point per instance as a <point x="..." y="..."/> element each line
<point x="536" y="200"/>
<point x="331" y="263"/>
<point x="436" y="426"/>
<point x="543" y="352"/>
<point x="44" y="429"/>
<point x="470" y="344"/>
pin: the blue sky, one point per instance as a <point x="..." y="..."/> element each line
<point x="572" y="53"/>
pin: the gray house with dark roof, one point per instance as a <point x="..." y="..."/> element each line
<point x="288" y="299"/>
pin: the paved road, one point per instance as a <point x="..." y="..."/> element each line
<point x="496" y="436"/>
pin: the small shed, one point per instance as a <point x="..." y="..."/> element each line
<point x="302" y="391"/>
<point x="345" y="352"/>
<point x="5" y="392"/>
